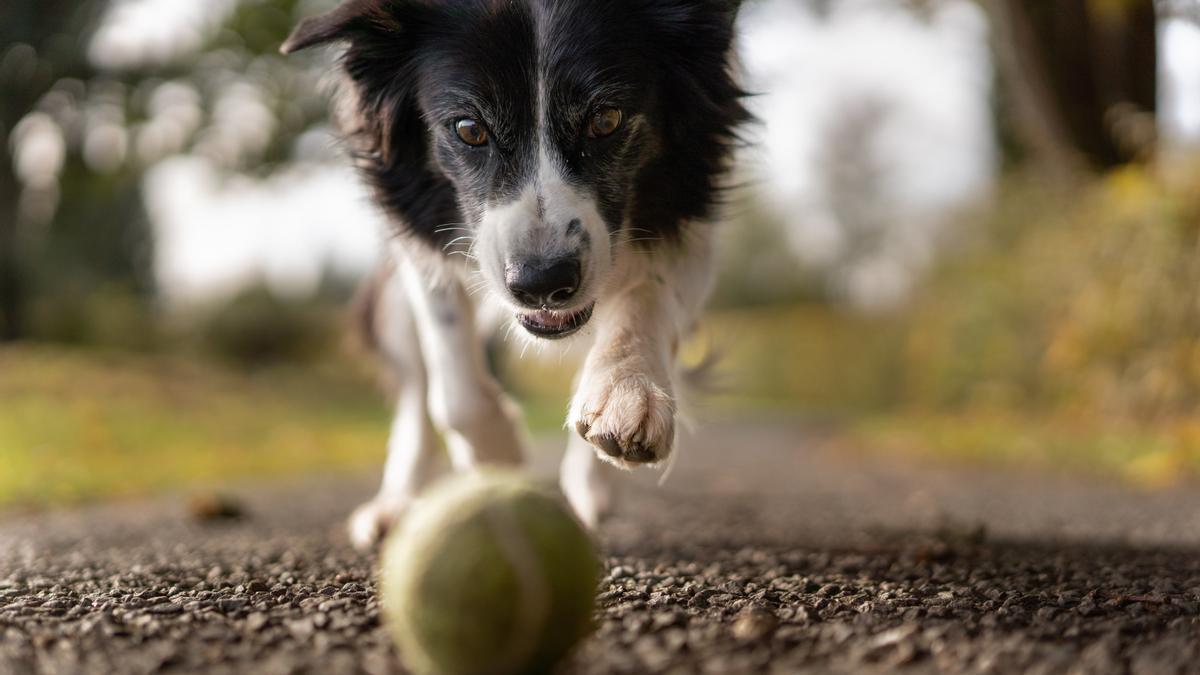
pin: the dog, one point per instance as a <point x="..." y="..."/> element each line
<point x="557" y="165"/>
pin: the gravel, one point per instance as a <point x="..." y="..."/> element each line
<point x="767" y="551"/>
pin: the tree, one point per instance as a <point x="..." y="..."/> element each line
<point x="1080" y="77"/>
<point x="92" y="230"/>
<point x="40" y="44"/>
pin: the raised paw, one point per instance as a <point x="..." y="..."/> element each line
<point x="372" y="521"/>
<point x="629" y="419"/>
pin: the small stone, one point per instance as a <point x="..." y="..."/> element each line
<point x="230" y="605"/>
<point x="752" y="625"/>
<point x="256" y="622"/>
<point x="211" y="507"/>
<point x="166" y="608"/>
<point x="666" y="620"/>
<point x="301" y="629"/>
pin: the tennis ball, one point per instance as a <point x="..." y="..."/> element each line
<point x="489" y="574"/>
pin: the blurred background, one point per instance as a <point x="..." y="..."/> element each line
<point x="969" y="232"/>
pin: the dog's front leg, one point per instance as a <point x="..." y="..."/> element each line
<point x="479" y="423"/>
<point x="625" y="404"/>
<point x="425" y="330"/>
<point x="412" y="445"/>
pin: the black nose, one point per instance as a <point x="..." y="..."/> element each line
<point x="543" y="283"/>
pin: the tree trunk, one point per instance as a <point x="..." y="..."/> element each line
<point x="1082" y="76"/>
<point x="12" y="294"/>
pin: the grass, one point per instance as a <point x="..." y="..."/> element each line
<point x="1151" y="457"/>
<point x="84" y="424"/>
<point x="80" y="425"/>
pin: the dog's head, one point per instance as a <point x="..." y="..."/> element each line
<point x="543" y="139"/>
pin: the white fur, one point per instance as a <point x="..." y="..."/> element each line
<point x="626" y="389"/>
<point x="429" y="335"/>
<point x="585" y="481"/>
<point x="625" y="397"/>
<point x="516" y="231"/>
<point x="411" y="445"/>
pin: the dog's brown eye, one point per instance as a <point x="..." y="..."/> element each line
<point x="605" y="122"/>
<point x="471" y="132"/>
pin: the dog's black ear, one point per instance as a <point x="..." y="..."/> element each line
<point x="729" y="8"/>
<point x="331" y="26"/>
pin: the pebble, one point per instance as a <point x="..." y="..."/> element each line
<point x="754" y="624"/>
<point x="693" y="588"/>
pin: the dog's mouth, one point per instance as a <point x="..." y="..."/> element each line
<point x="553" y="324"/>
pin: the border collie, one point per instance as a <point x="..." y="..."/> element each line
<point x="555" y="163"/>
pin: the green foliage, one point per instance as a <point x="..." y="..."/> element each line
<point x="89" y="229"/>
<point x="108" y="316"/>
<point x="1064" y="336"/>
<point x="1085" y="302"/>
<point x="257" y="327"/>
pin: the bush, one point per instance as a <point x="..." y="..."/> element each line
<point x="1085" y="302"/>
<point x="108" y="317"/>
<point x="259" y="328"/>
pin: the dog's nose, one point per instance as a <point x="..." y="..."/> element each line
<point x="538" y="283"/>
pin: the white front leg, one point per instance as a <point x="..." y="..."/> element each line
<point x="466" y="403"/>
<point x="585" y="482"/>
<point x="625" y="404"/>
<point x="412" y="444"/>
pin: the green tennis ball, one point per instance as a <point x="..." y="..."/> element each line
<point x="489" y="574"/>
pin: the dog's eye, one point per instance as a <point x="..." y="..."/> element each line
<point x="471" y="132"/>
<point x="605" y="122"/>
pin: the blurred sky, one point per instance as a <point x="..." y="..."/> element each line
<point x="933" y="143"/>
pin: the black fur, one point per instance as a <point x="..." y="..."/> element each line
<point x="419" y="65"/>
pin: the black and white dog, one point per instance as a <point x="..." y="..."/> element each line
<point x="556" y="163"/>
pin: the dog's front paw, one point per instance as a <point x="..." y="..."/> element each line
<point x="372" y="521"/>
<point x="630" y="419"/>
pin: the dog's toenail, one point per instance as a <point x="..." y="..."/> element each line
<point x="639" y="453"/>
<point x="582" y="428"/>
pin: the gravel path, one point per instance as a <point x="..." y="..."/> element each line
<point x="765" y="552"/>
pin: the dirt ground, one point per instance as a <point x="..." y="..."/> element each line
<point x="766" y="551"/>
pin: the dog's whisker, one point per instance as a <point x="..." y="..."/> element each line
<point x="457" y="240"/>
<point x="508" y="331"/>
